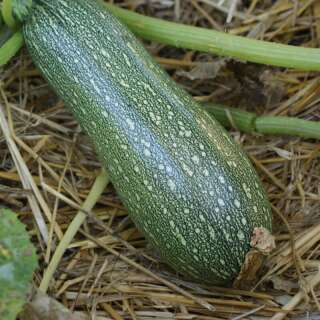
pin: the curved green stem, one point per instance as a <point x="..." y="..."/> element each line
<point x="250" y="122"/>
<point x="7" y="14"/>
<point x="219" y="43"/>
<point x="229" y="117"/>
<point x="99" y="185"/>
<point x="11" y="47"/>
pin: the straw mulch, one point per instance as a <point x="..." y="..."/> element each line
<point x="58" y="162"/>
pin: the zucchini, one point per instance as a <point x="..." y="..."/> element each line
<point x="186" y="184"/>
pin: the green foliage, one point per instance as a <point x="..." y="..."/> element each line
<point x="21" y="9"/>
<point x="18" y="260"/>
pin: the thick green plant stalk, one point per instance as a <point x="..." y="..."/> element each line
<point x="210" y="41"/>
<point x="12" y="13"/>
<point x="7" y="14"/>
<point x="10" y="48"/>
<point x="229" y="117"/>
<point x="232" y="117"/>
<point x="219" y="43"/>
<point x="250" y="122"/>
<point x="288" y="126"/>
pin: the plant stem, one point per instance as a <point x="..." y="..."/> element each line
<point x="220" y="43"/>
<point x="229" y="117"/>
<point x="250" y="122"/>
<point x="98" y="187"/>
<point x="244" y="121"/>
<point x="7" y="14"/>
<point x="232" y="117"/>
<point x="10" y="47"/>
<point x="288" y="126"/>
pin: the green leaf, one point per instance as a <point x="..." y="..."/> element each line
<point x="18" y="261"/>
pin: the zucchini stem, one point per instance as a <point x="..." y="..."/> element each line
<point x="250" y="122"/>
<point x="189" y="37"/>
<point x="206" y="40"/>
<point x="220" y="43"/>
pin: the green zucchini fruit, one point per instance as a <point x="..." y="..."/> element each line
<point x="186" y="184"/>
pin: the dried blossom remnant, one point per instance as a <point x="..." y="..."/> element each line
<point x="262" y="240"/>
<point x="262" y="243"/>
<point x="249" y="270"/>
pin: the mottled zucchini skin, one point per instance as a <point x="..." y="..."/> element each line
<point x="186" y="184"/>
